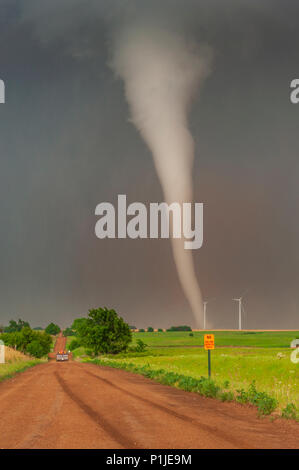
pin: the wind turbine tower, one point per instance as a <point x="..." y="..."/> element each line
<point x="240" y="312"/>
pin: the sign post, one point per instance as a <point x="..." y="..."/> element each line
<point x="209" y="343"/>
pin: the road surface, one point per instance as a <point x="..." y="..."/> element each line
<point x="60" y="345"/>
<point x="73" y="405"/>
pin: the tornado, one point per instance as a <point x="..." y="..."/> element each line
<point x="162" y="72"/>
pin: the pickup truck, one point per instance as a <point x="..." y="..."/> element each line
<point x="62" y="356"/>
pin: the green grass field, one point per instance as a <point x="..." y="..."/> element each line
<point x="240" y="358"/>
<point x="261" y="339"/>
<point x="278" y="377"/>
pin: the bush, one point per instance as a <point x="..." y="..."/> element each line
<point x="265" y="404"/>
<point x="191" y="334"/>
<point x="140" y="346"/>
<point x="207" y="388"/>
<point x="68" y="332"/>
<point x="150" y="329"/>
<point x="203" y="386"/>
<point x="141" y="330"/>
<point x="226" y="396"/>
<point x="74" y="344"/>
<point x="103" y="331"/>
<point x="160" y="330"/>
<point x="22" y="339"/>
<point x="226" y="384"/>
<point x="52" y="329"/>
<point x="35" y="349"/>
<point x="290" y="411"/>
<point x="180" y="328"/>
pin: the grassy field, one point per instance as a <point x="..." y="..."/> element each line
<point x="261" y="339"/>
<point x="271" y="368"/>
<point x="15" y="362"/>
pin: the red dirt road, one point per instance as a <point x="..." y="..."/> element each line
<point x="72" y="405"/>
<point x="60" y="343"/>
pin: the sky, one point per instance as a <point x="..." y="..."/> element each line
<point x="67" y="144"/>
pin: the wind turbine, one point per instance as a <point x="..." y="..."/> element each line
<point x="240" y="312"/>
<point x="241" y="309"/>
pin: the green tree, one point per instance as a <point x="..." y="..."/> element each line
<point x="78" y="324"/>
<point x="68" y="332"/>
<point x="103" y="332"/>
<point x="150" y="329"/>
<point x="22" y="341"/>
<point x="16" y="326"/>
<point x="52" y="329"/>
<point x="12" y="327"/>
<point x="35" y="349"/>
<point x="74" y="344"/>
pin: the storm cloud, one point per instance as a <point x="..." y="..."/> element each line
<point x="66" y="144"/>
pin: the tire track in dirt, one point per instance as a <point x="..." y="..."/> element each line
<point x="95" y="416"/>
<point x="203" y="427"/>
<point x="83" y="406"/>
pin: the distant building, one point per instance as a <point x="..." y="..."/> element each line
<point x="295" y="343"/>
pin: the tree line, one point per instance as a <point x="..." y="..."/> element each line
<point x="102" y="331"/>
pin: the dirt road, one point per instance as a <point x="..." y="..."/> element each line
<point x="73" y="405"/>
<point x="60" y="343"/>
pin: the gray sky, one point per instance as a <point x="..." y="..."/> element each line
<point x="66" y="144"/>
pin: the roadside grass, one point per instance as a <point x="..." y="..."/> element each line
<point x="234" y="371"/>
<point x="69" y="339"/>
<point x="79" y="352"/>
<point x="12" y="355"/>
<point x="16" y="362"/>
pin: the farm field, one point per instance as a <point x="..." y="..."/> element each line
<point x="262" y="339"/>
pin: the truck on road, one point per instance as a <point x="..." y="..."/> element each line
<point x="62" y="356"/>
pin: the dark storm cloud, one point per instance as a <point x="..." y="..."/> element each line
<point x="66" y="145"/>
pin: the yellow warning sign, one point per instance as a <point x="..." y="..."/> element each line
<point x="209" y="342"/>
